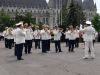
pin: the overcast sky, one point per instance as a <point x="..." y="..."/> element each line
<point x="97" y="2"/>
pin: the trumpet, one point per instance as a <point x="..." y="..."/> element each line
<point x="10" y="31"/>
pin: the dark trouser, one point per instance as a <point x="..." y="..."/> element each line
<point x="77" y="42"/>
<point x="10" y="42"/>
<point x="28" y="46"/>
<point x="13" y="42"/>
<point x="0" y="38"/>
<point x="37" y="43"/>
<point x="19" y="50"/>
<point x="48" y="45"/>
<point x="44" y="46"/>
<point x="71" y="45"/>
<point x="67" y="42"/>
<point x="15" y="51"/>
<point x="6" y="43"/>
<point x="57" y="46"/>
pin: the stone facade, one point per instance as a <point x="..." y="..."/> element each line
<point x="88" y="6"/>
<point x="46" y="13"/>
<point x="38" y="8"/>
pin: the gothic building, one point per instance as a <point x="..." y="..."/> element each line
<point x="43" y="12"/>
<point x="88" y="6"/>
<point x="89" y="9"/>
<point x="38" y="8"/>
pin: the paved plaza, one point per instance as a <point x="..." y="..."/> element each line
<point x="49" y="64"/>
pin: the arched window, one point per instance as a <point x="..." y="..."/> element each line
<point x="12" y="10"/>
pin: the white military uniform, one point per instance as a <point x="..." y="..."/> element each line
<point x="57" y="35"/>
<point x="66" y="35"/>
<point x="19" y="36"/>
<point x="37" y="34"/>
<point x="44" y="39"/>
<point x="89" y="36"/>
<point x="37" y="38"/>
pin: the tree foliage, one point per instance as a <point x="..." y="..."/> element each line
<point x="96" y="22"/>
<point x="73" y="15"/>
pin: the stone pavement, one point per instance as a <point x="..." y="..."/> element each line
<point x="49" y="64"/>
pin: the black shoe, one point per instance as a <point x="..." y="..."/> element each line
<point x="21" y="59"/>
<point x="44" y="52"/>
<point x="25" y="52"/>
<point x="29" y="52"/>
<point x="60" y="51"/>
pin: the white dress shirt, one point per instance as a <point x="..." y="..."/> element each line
<point x="57" y="34"/>
<point x="44" y="34"/>
<point x="37" y="34"/>
<point x="89" y="33"/>
<point x="19" y="36"/>
<point x="66" y="35"/>
<point x="72" y="35"/>
<point x="28" y="35"/>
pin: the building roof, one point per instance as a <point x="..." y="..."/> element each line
<point x="89" y="5"/>
<point x="24" y="3"/>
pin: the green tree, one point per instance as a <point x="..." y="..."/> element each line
<point x="5" y="21"/>
<point x="96" y="22"/>
<point x="27" y="17"/>
<point x="73" y="15"/>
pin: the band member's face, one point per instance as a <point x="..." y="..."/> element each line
<point x="46" y="28"/>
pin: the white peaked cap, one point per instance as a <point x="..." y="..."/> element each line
<point x="88" y="22"/>
<point x="20" y="23"/>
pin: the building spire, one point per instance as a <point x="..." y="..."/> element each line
<point x="88" y="4"/>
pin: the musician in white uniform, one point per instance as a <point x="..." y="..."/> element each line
<point x="89" y="32"/>
<point x="28" y="38"/>
<point x="19" y="37"/>
<point x="44" y="38"/>
<point x="72" y="38"/>
<point x="37" y="36"/>
<point x="57" y="38"/>
<point x="5" y="32"/>
<point x="49" y="37"/>
<point x="10" y="37"/>
<point x="77" y="37"/>
<point x="66" y="37"/>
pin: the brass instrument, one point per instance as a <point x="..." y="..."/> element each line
<point x="10" y="31"/>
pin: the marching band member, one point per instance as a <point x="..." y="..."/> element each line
<point x="5" y="32"/>
<point x="10" y="37"/>
<point x="57" y="37"/>
<point x="19" y="36"/>
<point x="37" y="36"/>
<point x="89" y="32"/>
<point x="77" y="37"/>
<point x="28" y="38"/>
<point x="66" y="37"/>
<point x="71" y="39"/>
<point x="44" y="38"/>
<point x="49" y="37"/>
<point x="15" y="50"/>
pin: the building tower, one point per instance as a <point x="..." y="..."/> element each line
<point x="89" y="9"/>
<point x="38" y="8"/>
